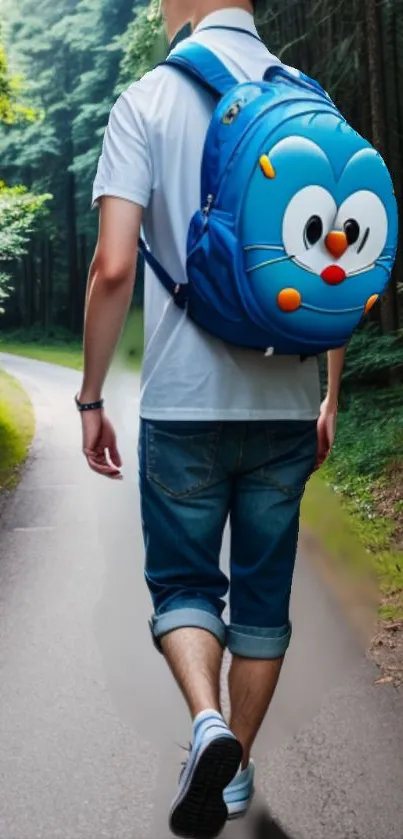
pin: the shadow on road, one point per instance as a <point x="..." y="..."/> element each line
<point x="263" y="827"/>
<point x="258" y="824"/>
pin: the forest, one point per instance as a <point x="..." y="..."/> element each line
<point x="63" y="64"/>
<point x="64" y="68"/>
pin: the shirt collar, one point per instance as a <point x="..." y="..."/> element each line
<point x="183" y="33"/>
<point x="234" y="17"/>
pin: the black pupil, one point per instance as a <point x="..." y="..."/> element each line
<point x="314" y="230"/>
<point x="352" y="231"/>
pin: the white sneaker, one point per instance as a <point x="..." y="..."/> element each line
<point x="239" y="793"/>
<point x="198" y="810"/>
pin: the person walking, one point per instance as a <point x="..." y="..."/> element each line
<point x="225" y="433"/>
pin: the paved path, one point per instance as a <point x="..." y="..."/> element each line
<point x="89" y="715"/>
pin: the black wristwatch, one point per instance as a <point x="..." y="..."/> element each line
<point x="89" y="406"/>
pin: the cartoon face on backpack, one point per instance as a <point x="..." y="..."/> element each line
<point x="296" y="234"/>
<point x="322" y="253"/>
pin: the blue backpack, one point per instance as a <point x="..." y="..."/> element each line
<point x="296" y="236"/>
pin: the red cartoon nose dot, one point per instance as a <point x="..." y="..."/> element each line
<point x="333" y="275"/>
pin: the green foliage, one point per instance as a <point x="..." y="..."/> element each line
<point x="71" y="53"/>
<point x="369" y="437"/>
<point x="16" y="429"/>
<point x="365" y="468"/>
<point x="11" y="109"/>
<point x="359" y="548"/>
<point x="19" y="211"/>
<point x="5" y="290"/>
<point x="57" y="335"/>
<point x="140" y="42"/>
<point x="99" y="59"/>
<point x="371" y="355"/>
<point x="369" y="448"/>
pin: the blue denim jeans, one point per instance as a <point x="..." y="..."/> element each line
<point x="193" y="477"/>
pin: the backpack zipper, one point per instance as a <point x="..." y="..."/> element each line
<point x="207" y="207"/>
<point x="211" y="199"/>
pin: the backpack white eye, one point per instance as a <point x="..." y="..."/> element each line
<point x="307" y="220"/>
<point x="363" y="218"/>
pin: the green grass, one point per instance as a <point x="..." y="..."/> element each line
<point x="68" y="353"/>
<point x="65" y="354"/>
<point x="360" y="551"/>
<point x="343" y="502"/>
<point x="16" y="429"/>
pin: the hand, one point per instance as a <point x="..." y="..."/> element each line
<point x="327" y="423"/>
<point x="99" y="444"/>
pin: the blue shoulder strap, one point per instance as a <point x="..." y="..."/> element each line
<point x="201" y="65"/>
<point x="177" y="290"/>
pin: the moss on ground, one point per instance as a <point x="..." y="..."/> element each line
<point x="360" y="546"/>
<point x="16" y="429"/>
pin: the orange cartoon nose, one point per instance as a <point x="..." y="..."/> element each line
<point x="336" y="243"/>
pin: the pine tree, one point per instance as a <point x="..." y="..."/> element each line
<point x="73" y="52"/>
<point x="19" y="209"/>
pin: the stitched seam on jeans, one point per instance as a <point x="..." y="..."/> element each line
<point x="291" y="492"/>
<point x="195" y="488"/>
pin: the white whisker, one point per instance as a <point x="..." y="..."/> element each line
<point x="268" y="262"/>
<point x="385" y="267"/>
<point x="360" y="271"/>
<point x="264" y="248"/>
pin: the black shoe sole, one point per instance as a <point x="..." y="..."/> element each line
<point x="202" y="813"/>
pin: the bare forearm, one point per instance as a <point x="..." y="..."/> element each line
<point x="335" y="364"/>
<point x="107" y="304"/>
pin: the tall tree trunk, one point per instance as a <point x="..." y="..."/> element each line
<point x="72" y="256"/>
<point x="49" y="284"/>
<point x="22" y="289"/>
<point x="391" y="96"/>
<point x="388" y="302"/>
<point x="45" y="284"/>
<point x="83" y="279"/>
<point x="32" y="283"/>
<point x="42" y="286"/>
<point x="398" y="32"/>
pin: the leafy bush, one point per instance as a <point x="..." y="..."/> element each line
<point x="140" y="43"/>
<point x="371" y="356"/>
<point x="11" y="111"/>
<point x="56" y="335"/>
<point x="19" y="209"/>
<point x="369" y="444"/>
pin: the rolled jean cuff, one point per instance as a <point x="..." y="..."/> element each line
<point x="257" y="642"/>
<point x="166" y="622"/>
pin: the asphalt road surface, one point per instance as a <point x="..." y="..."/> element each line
<point x="89" y="715"/>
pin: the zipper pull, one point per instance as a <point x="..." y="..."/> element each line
<point x="207" y="207"/>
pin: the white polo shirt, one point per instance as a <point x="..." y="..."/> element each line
<point x="152" y="155"/>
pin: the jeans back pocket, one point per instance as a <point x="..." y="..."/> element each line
<point x="181" y="459"/>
